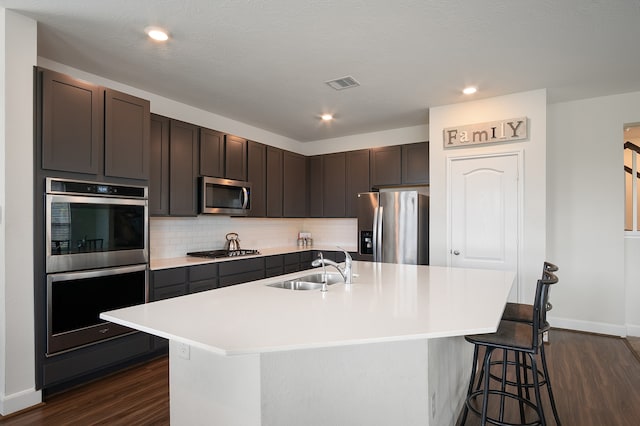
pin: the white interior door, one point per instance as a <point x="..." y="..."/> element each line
<point x="484" y="213"/>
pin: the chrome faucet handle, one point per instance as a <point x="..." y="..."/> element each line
<point x="324" y="272"/>
<point x="347" y="266"/>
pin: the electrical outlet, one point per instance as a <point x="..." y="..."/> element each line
<point x="183" y="350"/>
<point x="433" y="405"/>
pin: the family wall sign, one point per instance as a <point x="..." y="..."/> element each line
<point x="484" y="133"/>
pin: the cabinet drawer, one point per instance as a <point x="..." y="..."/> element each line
<point x="167" y="277"/>
<point x="274" y="272"/>
<point x="306" y="257"/>
<point x="203" y="272"/>
<point x="291" y="258"/>
<point x="169" y="291"/>
<point x="197" y="286"/>
<point x="273" y="261"/>
<point x="240" y="278"/>
<point x="233" y="267"/>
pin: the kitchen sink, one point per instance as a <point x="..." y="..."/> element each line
<point x="307" y="282"/>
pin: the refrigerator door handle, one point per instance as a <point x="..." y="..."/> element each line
<point x="375" y="234"/>
<point x="378" y="231"/>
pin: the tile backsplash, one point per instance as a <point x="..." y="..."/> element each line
<point x="174" y="237"/>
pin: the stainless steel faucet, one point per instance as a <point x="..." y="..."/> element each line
<point x="344" y="271"/>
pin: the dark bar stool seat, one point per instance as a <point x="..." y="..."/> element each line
<point x="523" y="339"/>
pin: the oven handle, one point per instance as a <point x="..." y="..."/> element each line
<point x="66" y="276"/>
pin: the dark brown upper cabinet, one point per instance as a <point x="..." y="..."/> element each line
<point x="274" y="181"/>
<point x="235" y="164"/>
<point x="415" y="163"/>
<point x="333" y="187"/>
<point x="92" y="130"/>
<point x="316" y="184"/>
<point x="72" y="117"/>
<point x="386" y="166"/>
<point x="357" y="178"/>
<point x="294" y="198"/>
<point x="211" y="153"/>
<point x="257" y="175"/>
<point x="222" y="156"/>
<point x="159" y="166"/>
<point x="183" y="169"/>
<point x="126" y="135"/>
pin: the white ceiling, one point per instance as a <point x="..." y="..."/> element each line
<point x="264" y="62"/>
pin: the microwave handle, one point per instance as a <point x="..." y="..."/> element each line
<point x="245" y="197"/>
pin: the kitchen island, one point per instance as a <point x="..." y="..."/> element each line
<point x="385" y="350"/>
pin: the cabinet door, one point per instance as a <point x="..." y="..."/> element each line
<point x="183" y="169"/>
<point x="357" y="177"/>
<point x="315" y="186"/>
<point x="256" y="175"/>
<point x="235" y="166"/>
<point x="211" y="153"/>
<point x="334" y="178"/>
<point x="415" y="163"/>
<point x="72" y="123"/>
<point x="126" y="136"/>
<point x="386" y="166"/>
<point x="274" y="182"/>
<point x="295" y="185"/>
<point x="159" y="166"/>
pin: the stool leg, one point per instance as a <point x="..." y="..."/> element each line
<point x="485" y="391"/>
<point x="503" y="384"/>
<point x="465" y="410"/>
<point x="519" y="384"/>
<point x="548" y="382"/>
<point x="526" y="375"/>
<point x="536" y="388"/>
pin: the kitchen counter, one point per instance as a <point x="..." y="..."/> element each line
<point x="177" y="262"/>
<point x="385" y="350"/>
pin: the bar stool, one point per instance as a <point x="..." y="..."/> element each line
<point x="524" y="340"/>
<point x="522" y="312"/>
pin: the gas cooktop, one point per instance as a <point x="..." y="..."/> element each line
<point x="214" y="254"/>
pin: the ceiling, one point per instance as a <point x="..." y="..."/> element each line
<point x="265" y="62"/>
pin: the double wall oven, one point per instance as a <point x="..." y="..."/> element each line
<point x="96" y="259"/>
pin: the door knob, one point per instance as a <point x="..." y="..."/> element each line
<point x="456" y="252"/>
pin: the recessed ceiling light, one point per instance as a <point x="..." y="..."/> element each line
<point x="469" y="90"/>
<point x="326" y="117"/>
<point x="156" y="33"/>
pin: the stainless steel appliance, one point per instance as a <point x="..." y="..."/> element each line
<point x="94" y="225"/>
<point x="224" y="196"/>
<point x="393" y="227"/>
<point x="96" y="259"/>
<point x="76" y="299"/>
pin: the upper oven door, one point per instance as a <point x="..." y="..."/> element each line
<point x="88" y="232"/>
<point x="224" y="196"/>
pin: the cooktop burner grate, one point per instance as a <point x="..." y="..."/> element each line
<point x="214" y="254"/>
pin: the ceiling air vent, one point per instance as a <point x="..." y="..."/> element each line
<point x="343" y="83"/>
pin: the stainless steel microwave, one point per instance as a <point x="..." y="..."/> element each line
<point x="224" y="196"/>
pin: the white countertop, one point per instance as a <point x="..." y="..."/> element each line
<point x="177" y="262"/>
<point x="386" y="302"/>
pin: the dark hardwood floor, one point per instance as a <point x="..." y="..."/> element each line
<point x="596" y="380"/>
<point x="137" y="396"/>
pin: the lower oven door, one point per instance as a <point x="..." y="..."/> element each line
<point x="76" y="299"/>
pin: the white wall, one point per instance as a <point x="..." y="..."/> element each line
<point x="530" y="104"/>
<point x="586" y="216"/>
<point x="17" y="354"/>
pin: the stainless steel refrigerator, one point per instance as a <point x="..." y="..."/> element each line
<point x="393" y="227"/>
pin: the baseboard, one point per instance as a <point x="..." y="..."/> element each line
<point x="19" y="401"/>
<point x="589" y="326"/>
<point x="633" y="330"/>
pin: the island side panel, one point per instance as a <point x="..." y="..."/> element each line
<point x="368" y="384"/>
<point x="450" y="360"/>
<point x="210" y="389"/>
